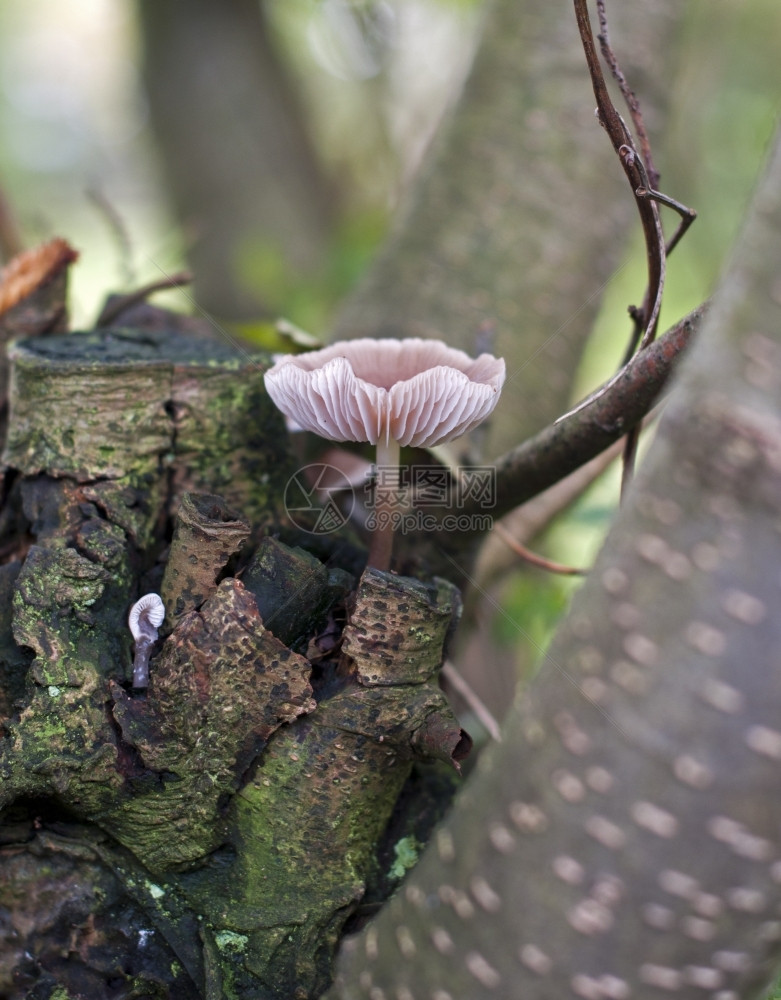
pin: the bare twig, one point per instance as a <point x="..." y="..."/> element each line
<point x="628" y="94"/>
<point x="572" y="441"/>
<point x="532" y="517"/>
<point x="533" y="558"/>
<point x="119" y="304"/>
<point x="118" y="228"/>
<point x="634" y="168"/>
<point x="475" y="703"/>
<point x="645" y="192"/>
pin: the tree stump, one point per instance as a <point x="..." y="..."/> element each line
<point x="211" y="834"/>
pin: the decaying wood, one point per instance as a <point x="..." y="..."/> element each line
<point x="200" y="803"/>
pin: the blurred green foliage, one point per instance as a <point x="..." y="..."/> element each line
<point x="311" y="299"/>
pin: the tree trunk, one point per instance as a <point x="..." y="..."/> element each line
<point x="214" y="826"/>
<point x="242" y="170"/>
<point x="623" y="840"/>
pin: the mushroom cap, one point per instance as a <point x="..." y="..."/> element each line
<point x="418" y="392"/>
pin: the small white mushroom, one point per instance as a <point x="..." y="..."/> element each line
<point x="144" y="619"/>
<point x="389" y="393"/>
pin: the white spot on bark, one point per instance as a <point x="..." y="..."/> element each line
<point x="678" y="884"/>
<point x="535" y="959"/>
<point x="568" y="869"/>
<point x="703" y="977"/>
<point x="442" y="941"/>
<point x="599" y="780"/>
<point x="654" y="819"/>
<point x="744" y="607"/>
<point x="608" y="890"/>
<point x="652" y="548"/>
<point x="732" y="961"/>
<point x="707" y="905"/>
<point x="445" y="847"/>
<point x="661" y="976"/>
<point x="405" y="942"/>
<point x="485" y="896"/>
<point x="586" y="987"/>
<point x="590" y="917"/>
<point x="574" y="739"/>
<point x="608" y="833"/>
<point x="746" y="899"/>
<point x="722" y="696"/>
<point x="569" y="787"/>
<point x="705" y="638"/>
<point x="527" y="817"/>
<point x="594" y="689"/>
<point x="482" y="971"/>
<point x="415" y="895"/>
<point x="742" y="842"/>
<point x="641" y="649"/>
<point x="630" y="678"/>
<point x="501" y="838"/>
<point x="765" y="741"/>
<point x="698" y="928"/>
<point x="692" y="772"/>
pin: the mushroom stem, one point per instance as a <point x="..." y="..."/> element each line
<point x="386" y="503"/>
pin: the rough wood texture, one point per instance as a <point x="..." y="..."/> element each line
<point x="207" y="534"/>
<point x="236" y="838"/>
<point x="623" y="840"/>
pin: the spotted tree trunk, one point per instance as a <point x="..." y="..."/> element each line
<point x="624" y="839"/>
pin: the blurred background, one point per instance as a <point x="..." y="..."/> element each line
<point x="267" y="144"/>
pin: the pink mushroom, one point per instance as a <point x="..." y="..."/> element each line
<point x="389" y="393"/>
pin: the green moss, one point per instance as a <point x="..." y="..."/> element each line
<point x="407" y="851"/>
<point x="231" y="941"/>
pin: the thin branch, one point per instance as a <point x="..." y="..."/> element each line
<point x="628" y="94"/>
<point x="475" y="703"/>
<point x="645" y="193"/>
<point x="688" y="215"/>
<point x="585" y="432"/>
<point x="533" y="558"/>
<point x="119" y="304"/>
<point x="633" y="166"/>
<point x="118" y="229"/>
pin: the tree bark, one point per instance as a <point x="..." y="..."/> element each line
<point x="623" y="840"/>
<point x="235" y="841"/>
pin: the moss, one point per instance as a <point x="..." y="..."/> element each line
<point x="230" y="941"/>
<point x="406" y="852"/>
